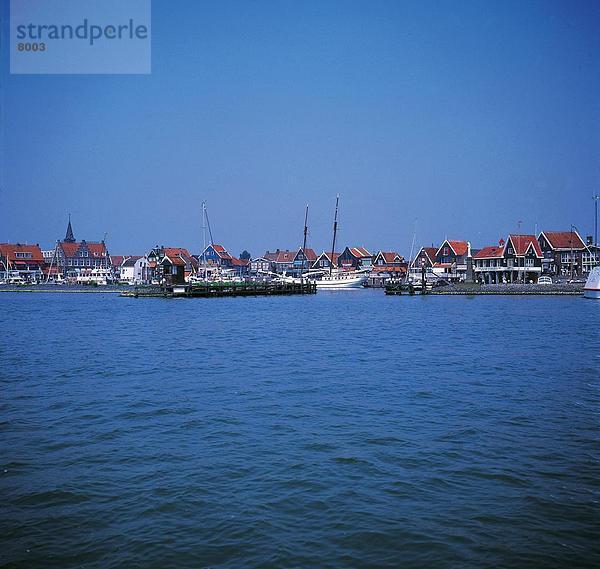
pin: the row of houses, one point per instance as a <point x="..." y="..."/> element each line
<point x="519" y="258"/>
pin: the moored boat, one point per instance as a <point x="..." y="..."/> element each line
<point x="591" y="288"/>
<point x="336" y="279"/>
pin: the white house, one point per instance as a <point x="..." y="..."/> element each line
<point x="134" y="270"/>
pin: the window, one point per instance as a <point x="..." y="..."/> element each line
<point x="529" y="262"/>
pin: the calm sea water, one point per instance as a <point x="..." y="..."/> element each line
<point x="344" y="429"/>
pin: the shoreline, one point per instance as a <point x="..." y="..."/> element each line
<point x="501" y="290"/>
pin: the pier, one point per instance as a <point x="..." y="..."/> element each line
<point x="471" y="289"/>
<point x="222" y="289"/>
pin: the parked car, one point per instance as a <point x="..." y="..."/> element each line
<point x="545" y="281"/>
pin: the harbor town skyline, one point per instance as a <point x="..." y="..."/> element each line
<point x="467" y="119"/>
<point x="587" y="231"/>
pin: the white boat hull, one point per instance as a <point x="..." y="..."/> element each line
<point x="592" y="285"/>
<point x="341" y="283"/>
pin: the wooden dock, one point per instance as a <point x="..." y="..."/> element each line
<point x="404" y="288"/>
<point x="222" y="289"/>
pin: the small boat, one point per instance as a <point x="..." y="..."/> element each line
<point x="591" y="288"/>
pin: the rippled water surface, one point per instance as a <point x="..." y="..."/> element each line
<point x="339" y="430"/>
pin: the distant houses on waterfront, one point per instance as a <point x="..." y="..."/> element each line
<point x="518" y="258"/>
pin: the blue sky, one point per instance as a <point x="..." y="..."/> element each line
<point x="459" y="118"/>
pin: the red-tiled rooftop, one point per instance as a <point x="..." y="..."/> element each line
<point x="564" y="239"/>
<point x="391" y="256"/>
<point x="280" y="256"/>
<point x="309" y="253"/>
<point x="221" y="251"/>
<point x="359" y="252"/>
<point x="459" y="247"/>
<point x="71" y="249"/>
<point x="491" y="252"/>
<point x="430" y="252"/>
<point x="522" y="242"/>
<point x="10" y="250"/>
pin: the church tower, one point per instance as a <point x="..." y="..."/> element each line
<point x="69" y="237"/>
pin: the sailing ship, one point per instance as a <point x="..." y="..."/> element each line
<point x="335" y="278"/>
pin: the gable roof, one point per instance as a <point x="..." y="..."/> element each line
<point x="562" y="239"/>
<point x="308" y="253"/>
<point x="95" y="249"/>
<point x="9" y="251"/>
<point x="390" y="256"/>
<point x="459" y="248"/>
<point x="359" y="252"/>
<point x="117" y="260"/>
<point x="180" y="256"/>
<point x="69" y="249"/>
<point x="220" y="251"/>
<point x="131" y="261"/>
<point x="328" y="256"/>
<point x="280" y="256"/>
<point x="429" y="252"/>
<point x="522" y="243"/>
<point x="491" y="252"/>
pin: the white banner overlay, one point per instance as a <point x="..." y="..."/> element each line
<point x="80" y="37"/>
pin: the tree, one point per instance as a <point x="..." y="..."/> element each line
<point x="244" y="255"/>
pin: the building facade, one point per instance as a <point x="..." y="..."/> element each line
<point x="355" y="258"/>
<point x="281" y="261"/>
<point x="303" y="260"/>
<point x="323" y="261"/>
<point x="24" y="261"/>
<point x="518" y="260"/>
<point x="170" y="265"/>
<point x="425" y="258"/>
<point x="451" y="260"/>
<point x="564" y="253"/>
<point x="74" y="258"/>
<point x="134" y="270"/>
<point x="216" y="256"/>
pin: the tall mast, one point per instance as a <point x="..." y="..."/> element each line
<point x="204" y="237"/>
<point x="410" y="256"/>
<point x="208" y="223"/>
<point x="596" y="199"/>
<point x="305" y="231"/>
<point x="305" y="259"/>
<point x="337" y="201"/>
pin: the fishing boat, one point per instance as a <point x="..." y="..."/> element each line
<point x="591" y="288"/>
